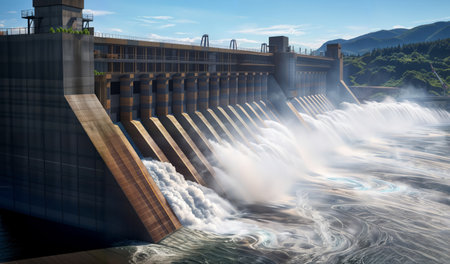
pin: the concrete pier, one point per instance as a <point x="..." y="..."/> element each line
<point x="233" y="88"/>
<point x="204" y="125"/>
<point x="197" y="135"/>
<point x="242" y="88"/>
<point x="224" y="90"/>
<point x="191" y="93"/>
<point x="178" y="96"/>
<point x="162" y="95"/>
<point x="171" y="150"/>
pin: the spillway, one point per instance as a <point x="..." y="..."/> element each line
<point x="363" y="183"/>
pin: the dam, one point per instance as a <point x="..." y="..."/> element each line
<point x="81" y="115"/>
<point x="72" y="142"/>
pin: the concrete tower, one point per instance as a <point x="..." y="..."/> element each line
<point x="337" y="74"/>
<point x="58" y="13"/>
<point x="284" y="61"/>
<point x="337" y="90"/>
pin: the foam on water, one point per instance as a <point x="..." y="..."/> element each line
<point x="196" y="206"/>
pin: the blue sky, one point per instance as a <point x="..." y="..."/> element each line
<point x="250" y="22"/>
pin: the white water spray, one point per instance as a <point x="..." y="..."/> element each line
<point x="196" y="206"/>
<point x="361" y="122"/>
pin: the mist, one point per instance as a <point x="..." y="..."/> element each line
<point x="266" y="172"/>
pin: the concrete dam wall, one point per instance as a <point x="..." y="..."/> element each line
<point x="71" y="143"/>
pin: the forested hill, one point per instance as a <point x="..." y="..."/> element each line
<point x="391" y="38"/>
<point x="401" y="66"/>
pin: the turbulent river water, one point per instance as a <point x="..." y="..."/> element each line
<point x="365" y="184"/>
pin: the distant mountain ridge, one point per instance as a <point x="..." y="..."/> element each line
<point x="391" y="38"/>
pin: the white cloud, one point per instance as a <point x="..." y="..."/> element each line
<point x="116" y="30"/>
<point x="12" y="12"/>
<point x="293" y="30"/>
<point x="185" y="21"/>
<point x="243" y="40"/>
<point x="307" y="44"/>
<point x="167" y="26"/>
<point x="239" y="41"/>
<point x="99" y="12"/>
<point x="147" y="21"/>
<point x="398" y="26"/>
<point x="2" y="25"/>
<point x="159" y="17"/>
<point x="186" y="40"/>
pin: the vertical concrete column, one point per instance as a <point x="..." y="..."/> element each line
<point x="107" y="103"/>
<point x="298" y="83"/>
<point x="242" y="88"/>
<point x="316" y="82"/>
<point x="304" y="84"/>
<point x="307" y="86"/>
<point x="264" y="86"/>
<point x="146" y="96"/>
<point x="126" y="97"/>
<point x="214" y="90"/>
<point x="203" y="92"/>
<point x="224" y="89"/>
<point x="233" y="87"/>
<point x="307" y="83"/>
<point x="250" y="87"/>
<point x="321" y="83"/>
<point x="178" y="94"/>
<point x="162" y="95"/>
<point x="258" y="78"/>
<point x="191" y="93"/>
<point x="336" y="73"/>
<point x="301" y="84"/>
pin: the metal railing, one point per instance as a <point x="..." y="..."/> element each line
<point x="27" y="13"/>
<point x="100" y="55"/>
<point x="311" y="52"/>
<point x="15" y="31"/>
<point x="88" y="16"/>
<point x="24" y="30"/>
<point x="169" y="41"/>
